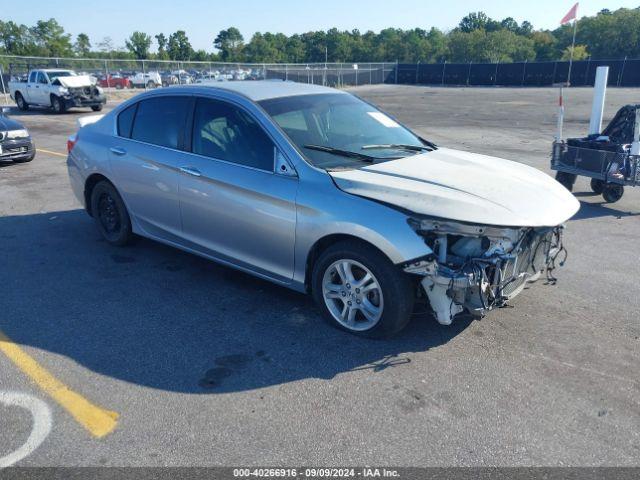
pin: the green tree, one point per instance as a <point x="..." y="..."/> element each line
<point x="473" y="21"/>
<point x="82" y="46"/>
<point x="179" y="47"/>
<point x="138" y="44"/>
<point x="579" y="53"/>
<point x="230" y="43"/>
<point x="50" y="38"/>
<point x="162" y="41"/>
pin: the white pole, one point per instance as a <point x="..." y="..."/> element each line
<point x="599" y="94"/>
<point x="573" y="46"/>
<point x="635" y="146"/>
<point x="560" y="117"/>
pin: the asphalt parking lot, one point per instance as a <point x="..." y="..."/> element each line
<point x="196" y="364"/>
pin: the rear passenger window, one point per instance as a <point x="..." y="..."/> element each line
<point x="161" y="121"/>
<point x="125" y="121"/>
<point x="226" y="132"/>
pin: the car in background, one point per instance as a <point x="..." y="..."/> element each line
<point x="316" y="190"/>
<point x="115" y="81"/>
<point x="168" y="79"/>
<point x="58" y="89"/>
<point x="148" y="80"/>
<point x="16" y="144"/>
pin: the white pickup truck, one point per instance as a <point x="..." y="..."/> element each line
<point x="58" y="89"/>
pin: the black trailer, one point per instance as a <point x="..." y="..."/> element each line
<point x="610" y="158"/>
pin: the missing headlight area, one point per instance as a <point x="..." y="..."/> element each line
<point x="479" y="268"/>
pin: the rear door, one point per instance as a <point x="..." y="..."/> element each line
<point x="145" y="158"/>
<point x="233" y="204"/>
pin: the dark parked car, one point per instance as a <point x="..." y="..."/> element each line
<point x="15" y="142"/>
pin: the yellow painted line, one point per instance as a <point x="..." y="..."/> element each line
<point x="98" y="421"/>
<point x="57" y="154"/>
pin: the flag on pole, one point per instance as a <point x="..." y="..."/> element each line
<point x="571" y="15"/>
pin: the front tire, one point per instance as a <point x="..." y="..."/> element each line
<point x="57" y="105"/>
<point x="110" y="214"/>
<point x="361" y="291"/>
<point x="96" y="108"/>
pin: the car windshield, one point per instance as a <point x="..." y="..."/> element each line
<point x="337" y="130"/>
<point x="60" y="73"/>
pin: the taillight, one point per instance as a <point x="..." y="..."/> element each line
<point x="71" y="142"/>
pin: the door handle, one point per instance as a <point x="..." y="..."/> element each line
<point x="190" y="171"/>
<point x="118" y="151"/>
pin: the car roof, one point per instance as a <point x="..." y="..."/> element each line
<point x="258" y="90"/>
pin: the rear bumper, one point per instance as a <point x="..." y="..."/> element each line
<point x="17" y="149"/>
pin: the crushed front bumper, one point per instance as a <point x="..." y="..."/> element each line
<point x="480" y="283"/>
<point x="84" y="100"/>
<point x="17" y="149"/>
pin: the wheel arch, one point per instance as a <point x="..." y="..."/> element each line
<point x="325" y="242"/>
<point x="89" y="184"/>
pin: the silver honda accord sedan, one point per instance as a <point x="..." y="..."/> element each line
<point x="315" y="189"/>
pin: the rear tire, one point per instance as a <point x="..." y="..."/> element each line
<point x="613" y="192"/>
<point x="381" y="295"/>
<point x="96" y="108"/>
<point x="151" y="84"/>
<point x="57" y="105"/>
<point x="21" y="102"/>
<point x="566" y="180"/>
<point x="597" y="186"/>
<point x="110" y="214"/>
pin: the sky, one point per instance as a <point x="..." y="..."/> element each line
<point x="203" y="19"/>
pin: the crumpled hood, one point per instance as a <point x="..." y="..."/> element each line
<point x="464" y="186"/>
<point x="75" y="82"/>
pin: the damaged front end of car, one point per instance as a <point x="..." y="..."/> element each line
<point x="477" y="268"/>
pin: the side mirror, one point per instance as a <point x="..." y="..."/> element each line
<point x="282" y="165"/>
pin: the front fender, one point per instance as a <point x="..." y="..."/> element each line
<point x="324" y="210"/>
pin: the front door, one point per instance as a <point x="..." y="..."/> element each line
<point x="233" y="204"/>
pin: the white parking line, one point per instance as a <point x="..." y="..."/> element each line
<point x="41" y="424"/>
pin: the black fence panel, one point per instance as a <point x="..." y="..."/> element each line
<point x="533" y="74"/>
<point x="483" y="74"/>
<point x="430" y="73"/>
<point x="630" y="75"/>
<point x="456" y="74"/>
<point x="510" y="74"/>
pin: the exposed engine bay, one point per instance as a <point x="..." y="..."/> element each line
<point x="478" y="268"/>
<point x="85" y="94"/>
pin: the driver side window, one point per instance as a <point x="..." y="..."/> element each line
<point x="226" y="132"/>
<point x="42" y="79"/>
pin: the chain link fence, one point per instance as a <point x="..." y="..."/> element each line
<point x="116" y="74"/>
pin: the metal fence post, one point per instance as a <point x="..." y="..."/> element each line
<point x="106" y="74"/>
<point x="624" y="63"/>
<point x="143" y="74"/>
<point x="469" y="74"/>
<point x="4" y="90"/>
<point x="524" y="73"/>
<point x="417" y="70"/>
<point x="495" y="78"/>
<point x="396" y="72"/>
<point x="444" y="68"/>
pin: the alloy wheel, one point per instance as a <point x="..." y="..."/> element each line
<point x="352" y="295"/>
